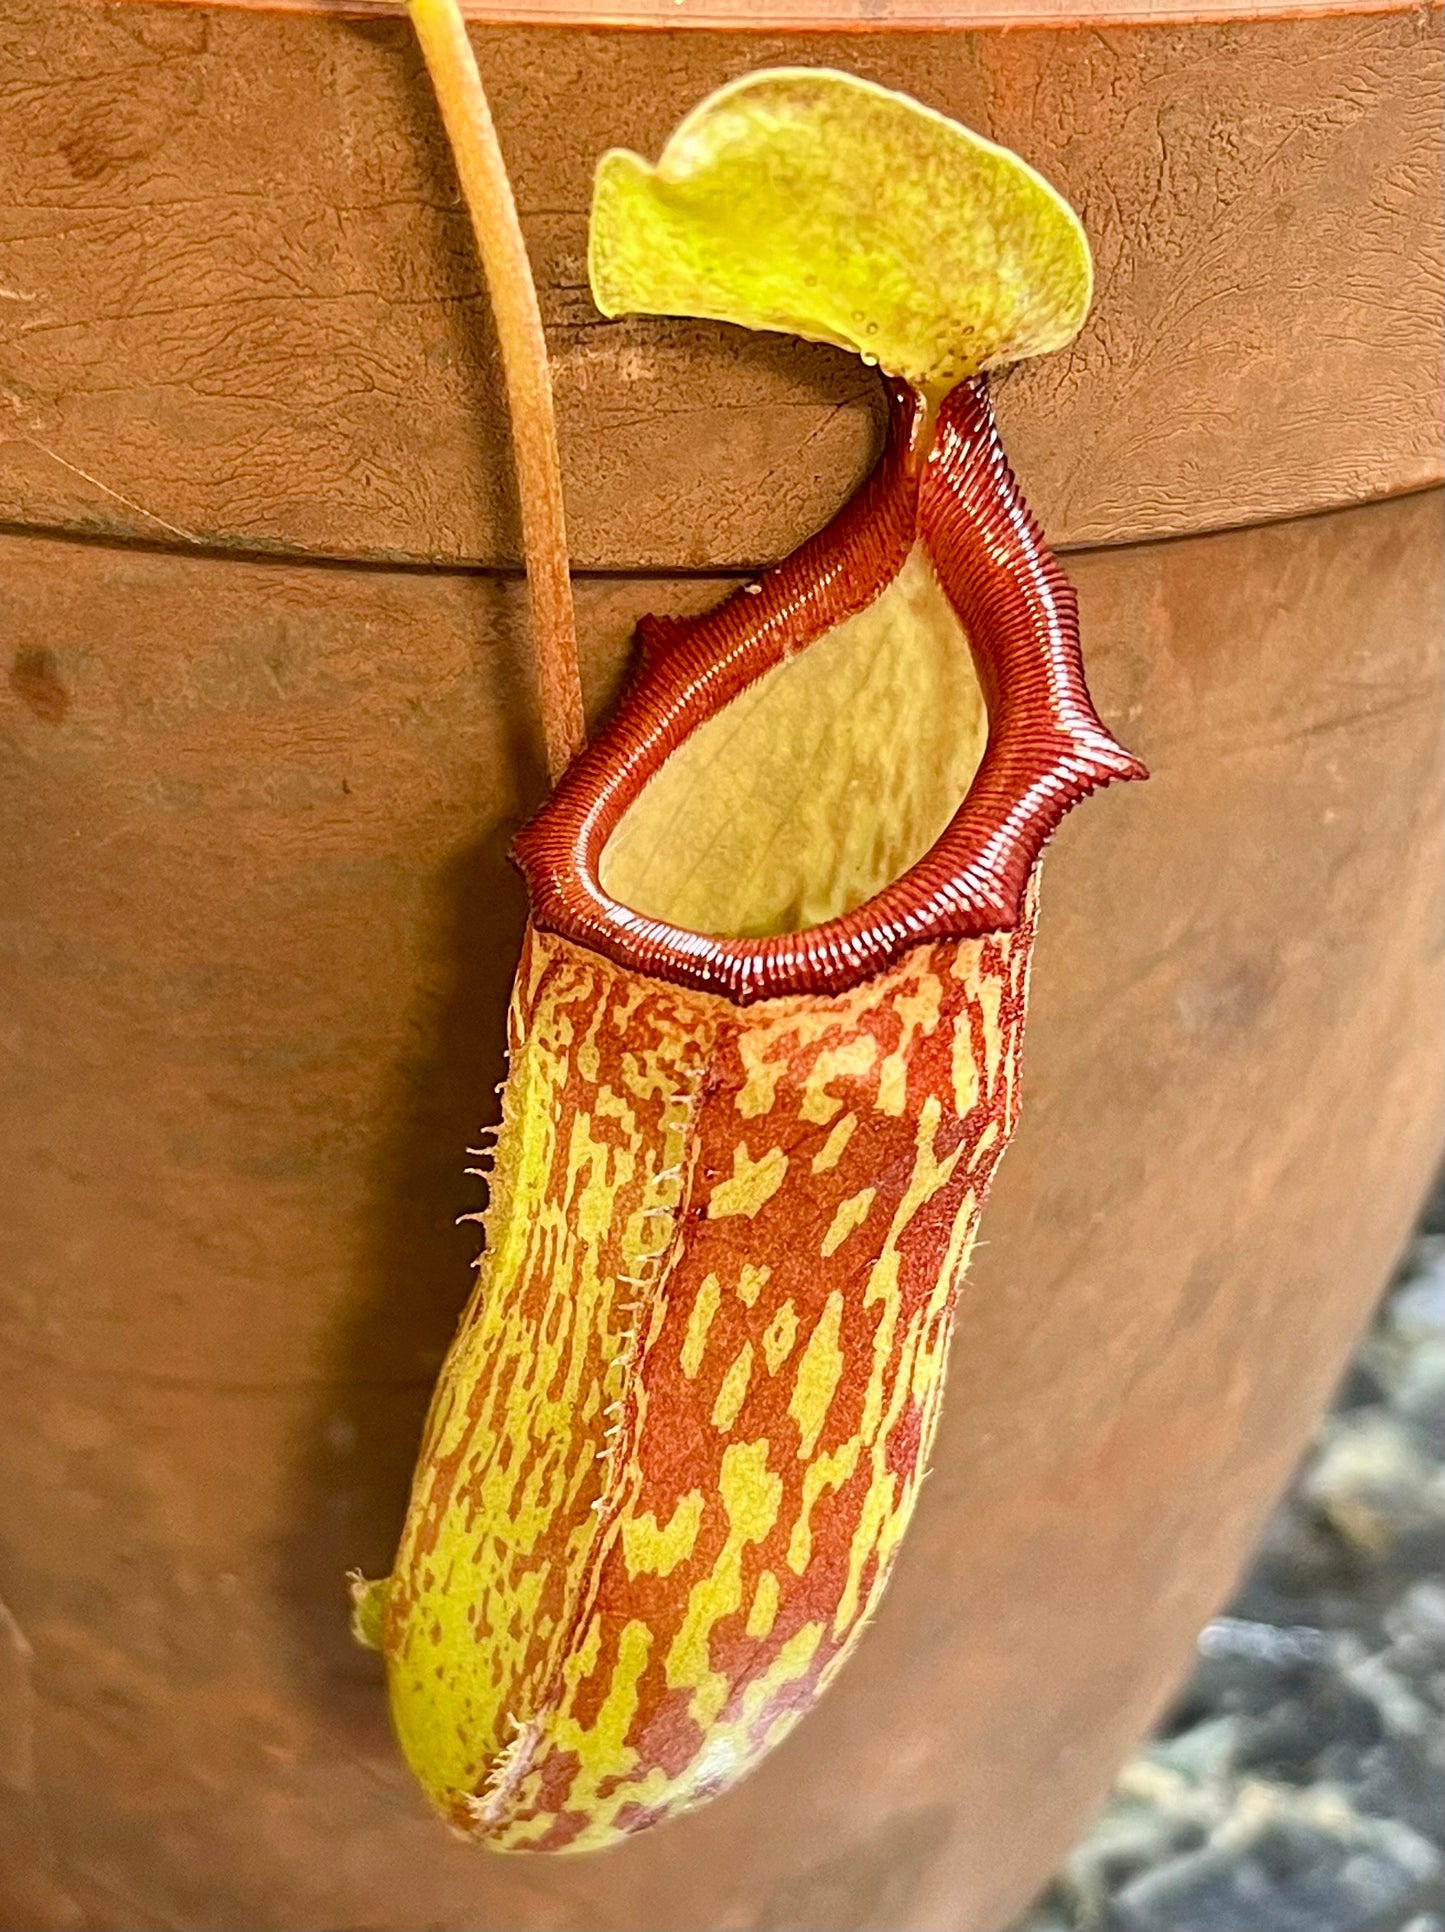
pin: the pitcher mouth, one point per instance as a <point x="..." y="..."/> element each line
<point x="947" y="488"/>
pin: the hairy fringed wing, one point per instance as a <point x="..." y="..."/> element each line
<point x="766" y="1030"/>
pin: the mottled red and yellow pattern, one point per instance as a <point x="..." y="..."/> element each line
<point x="684" y="1423"/>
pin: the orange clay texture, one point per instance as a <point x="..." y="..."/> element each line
<point x="684" y="1423"/>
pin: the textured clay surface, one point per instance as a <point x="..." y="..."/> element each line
<point x="238" y="302"/>
<point x="259" y="938"/>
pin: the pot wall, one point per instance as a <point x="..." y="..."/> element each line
<point x="262" y="934"/>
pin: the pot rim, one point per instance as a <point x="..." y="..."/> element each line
<point x="828" y="16"/>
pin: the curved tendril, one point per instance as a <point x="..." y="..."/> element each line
<point x="487" y="191"/>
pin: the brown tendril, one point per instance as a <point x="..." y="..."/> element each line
<point x="487" y="191"/>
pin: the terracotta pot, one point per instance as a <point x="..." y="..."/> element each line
<point x="268" y="728"/>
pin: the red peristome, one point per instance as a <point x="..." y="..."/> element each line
<point x="1046" y="748"/>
